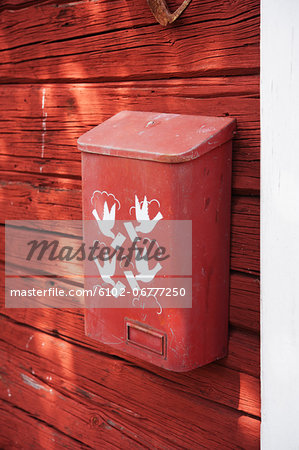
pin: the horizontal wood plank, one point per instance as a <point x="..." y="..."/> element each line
<point x="14" y="5"/>
<point x="245" y="302"/>
<point x="18" y="429"/>
<point x="245" y="251"/>
<point x="41" y="123"/>
<point x="112" y="40"/>
<point x="36" y="399"/>
<point x="243" y="352"/>
<point x="84" y="385"/>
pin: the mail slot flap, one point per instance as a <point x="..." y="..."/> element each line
<point x="156" y="136"/>
<point x="145" y="337"/>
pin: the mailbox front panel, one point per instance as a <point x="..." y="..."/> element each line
<point x="198" y="190"/>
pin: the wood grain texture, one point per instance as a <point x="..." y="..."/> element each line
<point x="111" y="40"/>
<point x="43" y="122"/>
<point x="84" y="385"/>
<point x="19" y="429"/>
<point x="245" y="302"/>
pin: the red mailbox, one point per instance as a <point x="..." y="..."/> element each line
<point x="160" y="183"/>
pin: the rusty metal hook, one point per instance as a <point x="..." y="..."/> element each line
<point x="161" y="12"/>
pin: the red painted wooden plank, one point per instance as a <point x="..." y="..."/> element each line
<point x="245" y="253"/>
<point x="13" y="5"/>
<point x="18" y="429"/>
<point x="243" y="353"/>
<point x="245" y="302"/>
<point x="40" y="130"/>
<point x="50" y="374"/>
<point x="40" y="201"/>
<point x="34" y="397"/>
<point x="96" y="41"/>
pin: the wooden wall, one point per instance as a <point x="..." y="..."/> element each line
<point x="64" y="68"/>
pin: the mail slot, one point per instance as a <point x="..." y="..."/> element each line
<point x="156" y="210"/>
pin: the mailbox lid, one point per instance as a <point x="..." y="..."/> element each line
<point x="171" y="138"/>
